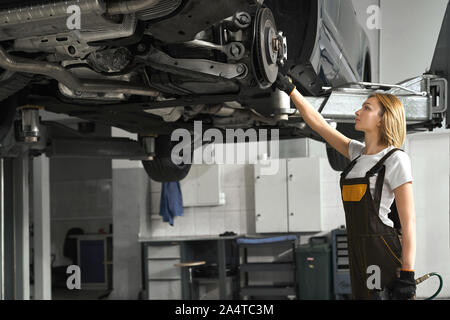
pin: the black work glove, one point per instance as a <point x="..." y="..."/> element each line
<point x="284" y="83"/>
<point x="404" y="287"/>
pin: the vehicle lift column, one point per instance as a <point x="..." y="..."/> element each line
<point x="15" y="228"/>
<point x="41" y="228"/>
<point x="15" y="271"/>
<point x="18" y="173"/>
<point x="27" y="166"/>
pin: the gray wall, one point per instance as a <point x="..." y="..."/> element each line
<point x="410" y="29"/>
<point x="80" y="196"/>
<point x="235" y="215"/>
<point x="238" y="213"/>
<point x="373" y="34"/>
<point x="130" y="211"/>
<point x="130" y="202"/>
<point x="430" y="160"/>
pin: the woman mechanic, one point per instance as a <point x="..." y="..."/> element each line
<point x="379" y="172"/>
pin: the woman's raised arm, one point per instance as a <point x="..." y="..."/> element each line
<point x="317" y="123"/>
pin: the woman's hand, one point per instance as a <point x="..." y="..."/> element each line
<point x="404" y="287"/>
<point x="284" y="83"/>
<point x="312" y="117"/>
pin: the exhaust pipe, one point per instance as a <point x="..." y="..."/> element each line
<point x="64" y="76"/>
<point x="58" y="9"/>
<point x="127" y="7"/>
<point x="48" y="10"/>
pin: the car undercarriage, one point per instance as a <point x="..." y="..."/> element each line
<point x="221" y="65"/>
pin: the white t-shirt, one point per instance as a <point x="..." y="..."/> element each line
<point x="398" y="172"/>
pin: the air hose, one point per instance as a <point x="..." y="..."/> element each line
<point x="427" y="276"/>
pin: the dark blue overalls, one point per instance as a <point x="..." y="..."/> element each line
<point x="370" y="241"/>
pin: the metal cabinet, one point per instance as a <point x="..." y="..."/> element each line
<point x="202" y="186"/>
<point x="271" y="199"/>
<point x="292" y="199"/>
<point x="163" y="278"/>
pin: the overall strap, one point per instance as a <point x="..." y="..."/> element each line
<point x="349" y="167"/>
<point x="379" y="168"/>
<point x="379" y="189"/>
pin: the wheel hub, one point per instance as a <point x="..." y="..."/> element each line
<point x="266" y="48"/>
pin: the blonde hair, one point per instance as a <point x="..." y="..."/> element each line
<point x="393" y="120"/>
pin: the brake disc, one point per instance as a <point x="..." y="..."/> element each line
<point x="265" y="53"/>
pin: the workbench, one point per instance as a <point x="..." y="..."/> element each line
<point x="163" y="278"/>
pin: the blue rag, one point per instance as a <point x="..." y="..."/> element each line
<point x="171" y="201"/>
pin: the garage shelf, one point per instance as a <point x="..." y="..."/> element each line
<point x="249" y="290"/>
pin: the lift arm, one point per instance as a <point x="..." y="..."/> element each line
<point x="425" y="100"/>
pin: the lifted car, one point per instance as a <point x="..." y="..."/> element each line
<point x="152" y="66"/>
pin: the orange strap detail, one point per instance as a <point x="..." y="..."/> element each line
<point x="353" y="192"/>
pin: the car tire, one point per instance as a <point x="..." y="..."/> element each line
<point x="336" y="160"/>
<point x="7" y="114"/>
<point x="162" y="168"/>
<point x="9" y="99"/>
<point x="13" y="84"/>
